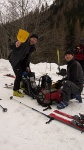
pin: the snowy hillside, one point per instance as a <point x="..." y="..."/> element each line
<point x="23" y="128"/>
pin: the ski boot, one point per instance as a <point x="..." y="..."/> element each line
<point x="18" y="94"/>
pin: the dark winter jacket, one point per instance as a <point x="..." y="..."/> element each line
<point x="21" y="54"/>
<point x="75" y="72"/>
<point x="79" y="52"/>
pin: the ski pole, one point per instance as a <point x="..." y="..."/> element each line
<point x="4" y="109"/>
<point x="50" y="118"/>
<point x="58" y="57"/>
<point x="48" y="107"/>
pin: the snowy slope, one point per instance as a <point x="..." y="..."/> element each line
<point x="22" y="128"/>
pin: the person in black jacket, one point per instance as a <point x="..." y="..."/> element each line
<point x="79" y="53"/>
<point x="72" y="84"/>
<point x="20" y="60"/>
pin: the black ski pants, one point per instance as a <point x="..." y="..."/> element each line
<point x="69" y="88"/>
<point x="18" y="70"/>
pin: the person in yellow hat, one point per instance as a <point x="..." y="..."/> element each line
<point x="20" y="60"/>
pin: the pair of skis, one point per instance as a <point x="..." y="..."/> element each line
<point x="76" y="121"/>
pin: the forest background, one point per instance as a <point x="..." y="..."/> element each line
<point x="59" y="27"/>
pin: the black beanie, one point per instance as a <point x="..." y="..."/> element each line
<point x="69" y="52"/>
<point x="34" y="35"/>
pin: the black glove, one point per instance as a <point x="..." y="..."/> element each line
<point x="58" y="84"/>
<point x="25" y="74"/>
<point x="33" y="48"/>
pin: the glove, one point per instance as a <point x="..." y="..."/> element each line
<point x="25" y="73"/>
<point x="58" y="84"/>
<point x="33" y="48"/>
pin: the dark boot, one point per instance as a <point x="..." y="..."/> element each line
<point x="78" y="97"/>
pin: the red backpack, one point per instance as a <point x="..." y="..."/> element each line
<point x="46" y="97"/>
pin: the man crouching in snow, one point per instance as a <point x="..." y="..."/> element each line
<point x="72" y="85"/>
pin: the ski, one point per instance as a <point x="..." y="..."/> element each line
<point x="67" y="122"/>
<point x="75" y="117"/>
<point x="9" y="75"/>
<point x="9" y="85"/>
<point x="12" y="76"/>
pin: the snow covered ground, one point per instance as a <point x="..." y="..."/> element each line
<point x="22" y="128"/>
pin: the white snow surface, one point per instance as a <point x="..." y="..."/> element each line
<point x="22" y="128"/>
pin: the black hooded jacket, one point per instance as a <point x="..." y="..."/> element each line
<point x="74" y="74"/>
<point x="21" y="54"/>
